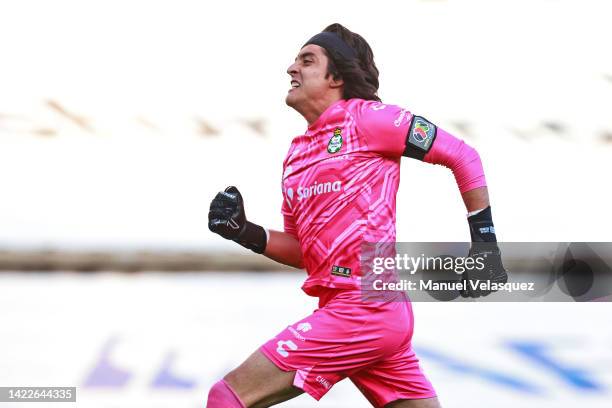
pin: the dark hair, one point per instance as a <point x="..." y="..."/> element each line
<point x="360" y="75"/>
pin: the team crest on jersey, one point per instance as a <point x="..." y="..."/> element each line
<point x="335" y="143"/>
<point x="422" y="133"/>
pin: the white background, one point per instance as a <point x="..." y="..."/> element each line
<point x="140" y="74"/>
<point x="139" y="174"/>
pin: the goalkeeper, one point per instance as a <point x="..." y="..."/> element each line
<point x="340" y="180"/>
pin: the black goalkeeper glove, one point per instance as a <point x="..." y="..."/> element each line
<point x="477" y="282"/>
<point x="227" y="218"/>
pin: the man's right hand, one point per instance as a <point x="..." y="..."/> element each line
<point x="226" y="216"/>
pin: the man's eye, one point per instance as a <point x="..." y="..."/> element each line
<point x="307" y="61"/>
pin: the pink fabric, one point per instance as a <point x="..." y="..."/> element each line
<point x="462" y="159"/>
<point x="369" y="342"/>
<point x="340" y="181"/>
<point x="221" y="395"/>
<point x="334" y="202"/>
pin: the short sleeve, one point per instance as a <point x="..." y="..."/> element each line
<point x="384" y="127"/>
<point x="289" y="223"/>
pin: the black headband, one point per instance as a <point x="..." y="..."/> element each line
<point x="331" y="41"/>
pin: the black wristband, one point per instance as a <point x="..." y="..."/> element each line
<point x="481" y="226"/>
<point x="253" y="237"/>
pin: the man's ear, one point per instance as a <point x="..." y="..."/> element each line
<point x="335" y="83"/>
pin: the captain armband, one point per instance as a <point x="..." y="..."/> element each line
<point x="421" y="136"/>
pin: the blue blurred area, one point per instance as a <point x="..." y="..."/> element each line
<point x="156" y="339"/>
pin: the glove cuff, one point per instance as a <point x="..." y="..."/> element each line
<point x="253" y="237"/>
<point x="481" y="226"/>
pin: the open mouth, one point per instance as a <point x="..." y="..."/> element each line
<point x="294" y="84"/>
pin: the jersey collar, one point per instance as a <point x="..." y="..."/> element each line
<point x="323" y="118"/>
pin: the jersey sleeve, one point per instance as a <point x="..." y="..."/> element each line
<point x="288" y="218"/>
<point x="384" y="127"/>
<point x="463" y="160"/>
<point x="289" y="223"/>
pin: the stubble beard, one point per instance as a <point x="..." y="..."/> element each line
<point x="291" y="101"/>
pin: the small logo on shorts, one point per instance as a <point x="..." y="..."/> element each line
<point x="296" y="334"/>
<point x="335" y="143"/>
<point x="301" y="327"/>
<point x="280" y="349"/>
<point x="323" y="381"/>
<point x="304" y="327"/>
<point x="341" y="271"/>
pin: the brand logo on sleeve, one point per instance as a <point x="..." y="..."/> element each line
<point x="398" y="121"/>
<point x="335" y="143"/>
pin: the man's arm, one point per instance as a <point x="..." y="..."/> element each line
<point x="464" y="161"/>
<point x="476" y="199"/>
<point x="428" y="143"/>
<point x="284" y="248"/>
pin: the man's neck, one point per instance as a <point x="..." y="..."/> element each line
<point x="316" y="109"/>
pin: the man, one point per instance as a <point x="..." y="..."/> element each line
<point x="340" y="181"/>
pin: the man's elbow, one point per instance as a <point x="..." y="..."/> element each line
<point x="468" y="169"/>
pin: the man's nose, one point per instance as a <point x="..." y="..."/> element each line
<point x="292" y="69"/>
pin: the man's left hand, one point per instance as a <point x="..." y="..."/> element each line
<point x="475" y="281"/>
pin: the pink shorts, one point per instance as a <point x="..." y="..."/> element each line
<point x="369" y="342"/>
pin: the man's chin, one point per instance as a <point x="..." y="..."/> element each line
<point x="290" y="100"/>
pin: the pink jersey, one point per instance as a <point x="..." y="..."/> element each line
<point x="340" y="180"/>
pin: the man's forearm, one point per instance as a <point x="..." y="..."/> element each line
<point x="480" y="219"/>
<point x="476" y="199"/>
<point x="284" y="248"/>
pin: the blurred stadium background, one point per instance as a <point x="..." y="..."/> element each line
<point x="116" y="124"/>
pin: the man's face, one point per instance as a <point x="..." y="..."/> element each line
<point x="308" y="82"/>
